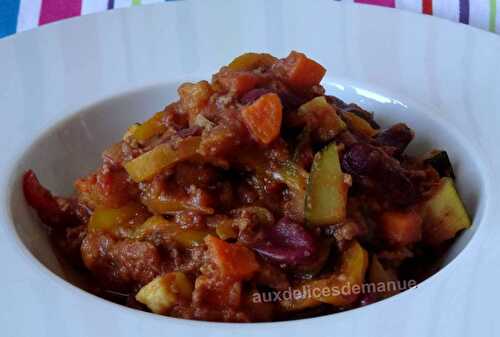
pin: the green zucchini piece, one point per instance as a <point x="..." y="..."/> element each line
<point x="444" y="214"/>
<point x="440" y="161"/>
<point x="326" y="194"/>
<point x="294" y="176"/>
<point x="303" y="145"/>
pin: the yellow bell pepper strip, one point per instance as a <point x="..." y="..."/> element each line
<point x="163" y="156"/>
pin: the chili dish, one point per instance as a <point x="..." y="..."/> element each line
<point x="256" y="182"/>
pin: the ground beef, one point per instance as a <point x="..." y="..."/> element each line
<point x="124" y="264"/>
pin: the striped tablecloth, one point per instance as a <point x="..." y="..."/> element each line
<point x="20" y="15"/>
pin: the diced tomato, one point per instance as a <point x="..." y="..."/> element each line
<point x="106" y="188"/>
<point x="401" y="228"/>
<point x="263" y="118"/>
<point x="45" y="203"/>
<point x="300" y="71"/>
<point x="233" y="260"/>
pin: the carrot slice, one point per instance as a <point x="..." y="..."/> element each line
<point x="263" y="118"/>
<point x="233" y="260"/>
<point x="401" y="228"/>
<point x="301" y="71"/>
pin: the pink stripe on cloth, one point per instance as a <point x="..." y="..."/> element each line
<point x="386" y="3"/>
<point x="54" y="10"/>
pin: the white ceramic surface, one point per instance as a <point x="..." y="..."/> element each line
<point x="69" y="89"/>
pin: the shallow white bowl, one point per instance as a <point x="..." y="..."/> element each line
<point x="70" y="89"/>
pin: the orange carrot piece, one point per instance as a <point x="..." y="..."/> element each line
<point x="302" y="71"/>
<point x="243" y="81"/>
<point x="237" y="82"/>
<point x="401" y="228"/>
<point x="263" y="118"/>
<point x="233" y="260"/>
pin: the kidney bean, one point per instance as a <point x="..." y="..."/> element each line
<point x="252" y="95"/>
<point x="364" y="160"/>
<point x="397" y="136"/>
<point x="188" y="132"/>
<point x="335" y="101"/>
<point x="287" y="243"/>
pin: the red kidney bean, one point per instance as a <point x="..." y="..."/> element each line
<point x="252" y="95"/>
<point x="364" y="160"/>
<point x="188" y="132"/>
<point x="397" y="136"/>
<point x="289" y="99"/>
<point x="287" y="243"/>
<point x="335" y="101"/>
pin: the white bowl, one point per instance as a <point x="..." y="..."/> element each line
<point x="70" y="89"/>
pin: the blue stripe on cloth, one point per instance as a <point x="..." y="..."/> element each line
<point x="463" y="11"/>
<point x="9" y="10"/>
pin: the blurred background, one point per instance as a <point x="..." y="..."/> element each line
<point x="21" y="15"/>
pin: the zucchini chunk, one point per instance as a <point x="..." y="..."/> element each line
<point x="326" y="194"/>
<point x="353" y="267"/>
<point x="378" y="274"/>
<point x="440" y="161"/>
<point x="444" y="214"/>
<point x="294" y="176"/>
<point x="165" y="291"/>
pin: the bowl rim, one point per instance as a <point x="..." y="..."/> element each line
<point x="477" y="240"/>
<point x="478" y="219"/>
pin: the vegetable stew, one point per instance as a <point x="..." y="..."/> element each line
<point x="256" y="197"/>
